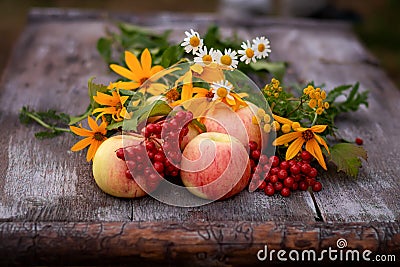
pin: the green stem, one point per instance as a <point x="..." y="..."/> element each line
<point x="297" y="108"/>
<point x="45" y="125"/>
<point x="315" y="119"/>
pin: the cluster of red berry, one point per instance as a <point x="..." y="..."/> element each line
<point x="158" y="155"/>
<point x="272" y="175"/>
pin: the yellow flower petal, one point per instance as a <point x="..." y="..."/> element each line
<point x="286" y="138"/>
<point x="318" y="128"/>
<point x="92" y="150"/>
<point x="156" y="89"/>
<point x="80" y="131"/>
<point x="145" y="59"/>
<point x="106" y="100"/>
<point x="92" y="124"/>
<point x="157" y="69"/>
<point x="282" y="119"/>
<point x="230" y="100"/>
<point x="294" y="148"/>
<point x="201" y="91"/>
<point x="123" y="72"/>
<point x="133" y="64"/>
<point x="82" y="144"/>
<point x="197" y="68"/>
<point x="312" y="146"/>
<point x="124" y="85"/>
<point x="321" y="141"/>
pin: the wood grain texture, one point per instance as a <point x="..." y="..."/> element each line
<point x="165" y="243"/>
<point x="52" y="211"/>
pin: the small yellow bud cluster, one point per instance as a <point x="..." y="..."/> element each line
<point x="317" y="97"/>
<point x="273" y="88"/>
<point x="264" y="120"/>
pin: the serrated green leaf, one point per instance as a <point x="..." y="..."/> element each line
<point x="47" y="134"/>
<point x="115" y="125"/>
<point x="277" y="69"/>
<point x="93" y="88"/>
<point x="347" y="157"/>
<point x="336" y="92"/>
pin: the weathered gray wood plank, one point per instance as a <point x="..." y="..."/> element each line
<point x="44" y="181"/>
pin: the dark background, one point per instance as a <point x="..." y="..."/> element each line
<point x="376" y="22"/>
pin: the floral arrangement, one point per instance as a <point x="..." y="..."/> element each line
<point x="150" y="126"/>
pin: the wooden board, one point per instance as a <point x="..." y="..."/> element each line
<point x="49" y="201"/>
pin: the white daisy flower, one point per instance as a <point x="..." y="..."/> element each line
<point x="205" y="57"/>
<point x="261" y="47"/>
<point x="221" y="90"/>
<point x="192" y="42"/>
<point x="229" y="58"/>
<point x="247" y="53"/>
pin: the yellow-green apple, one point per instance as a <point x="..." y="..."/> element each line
<point x="110" y="172"/>
<point x="215" y="166"/>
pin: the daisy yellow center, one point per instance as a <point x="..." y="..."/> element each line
<point x="207" y="58"/>
<point x="261" y="47"/>
<point x="194" y="41"/>
<point x="222" y="92"/>
<point x="98" y="136"/>
<point x="308" y="135"/>
<point x="249" y="52"/>
<point x="226" y="60"/>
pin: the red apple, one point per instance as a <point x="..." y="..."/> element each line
<point x="110" y="172"/>
<point x="221" y="118"/>
<point x="215" y="166"/>
<point x="246" y="115"/>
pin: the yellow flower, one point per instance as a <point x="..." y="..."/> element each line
<point x="286" y="128"/>
<point x="319" y="111"/>
<point x="115" y="105"/>
<point x="223" y="93"/>
<point x="141" y="74"/>
<point x="295" y="125"/>
<point x="267" y="128"/>
<point x="312" y="103"/>
<point x="276" y="126"/>
<point x="301" y="136"/>
<point x="94" y="137"/>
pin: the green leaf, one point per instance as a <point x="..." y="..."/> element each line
<point x="346" y="157"/>
<point x="158" y="108"/>
<point x="93" y="89"/>
<point x="115" y="125"/>
<point x="47" y="134"/>
<point x="104" y="46"/>
<point x="336" y="92"/>
<point x="171" y="55"/>
<point x="277" y="69"/>
<point x="200" y="125"/>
